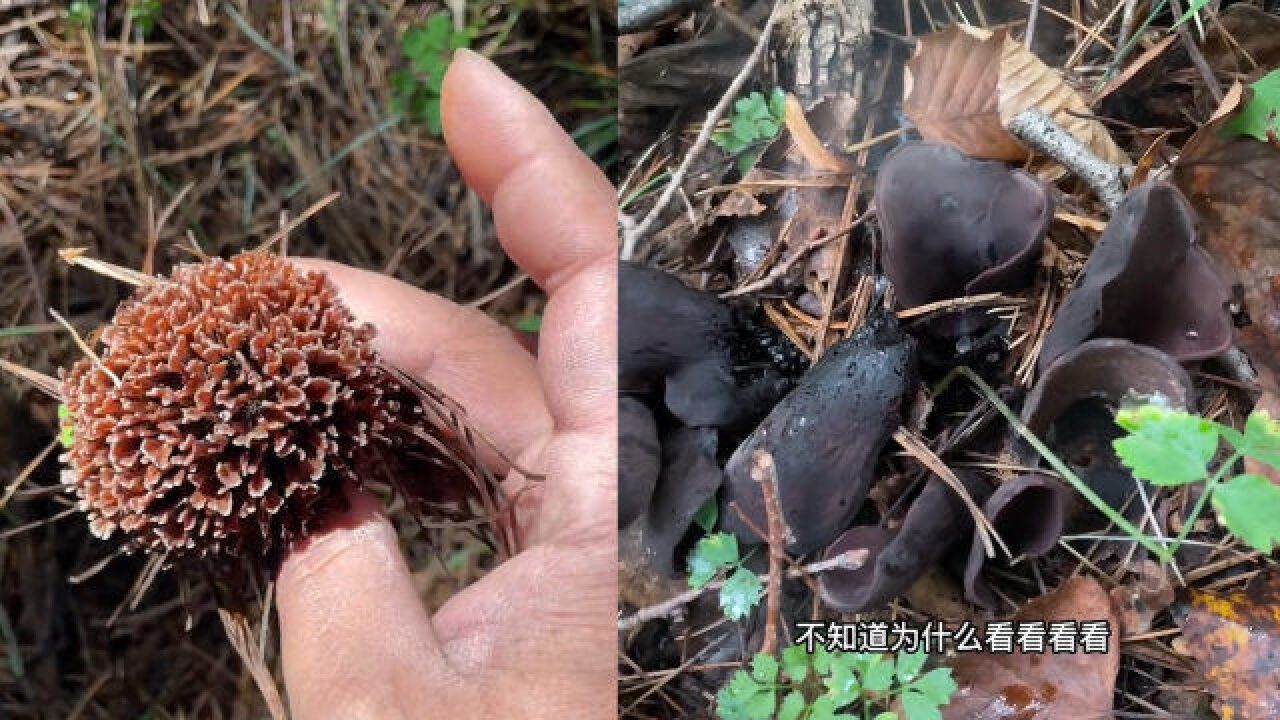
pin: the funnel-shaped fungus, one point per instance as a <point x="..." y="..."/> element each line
<point x="684" y="340"/>
<point x="1147" y="281"/>
<point x="232" y="402"/>
<point x="825" y="437"/>
<point x="639" y="459"/>
<point x="1027" y="513"/>
<point x="690" y="475"/>
<point x="937" y="520"/>
<point x="1073" y="405"/>
<point x="954" y="226"/>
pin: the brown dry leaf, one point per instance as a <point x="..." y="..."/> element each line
<point x="1244" y="41"/>
<point x="1042" y="686"/>
<point x="964" y="84"/>
<point x="1143" y="596"/>
<point x="1236" y="641"/>
<point x="1234" y="184"/>
<point x="807" y="143"/>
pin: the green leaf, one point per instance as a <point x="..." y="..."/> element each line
<point x="821" y="660"/>
<point x="778" y="104"/>
<point x="1262" y="113"/>
<point x="824" y="708"/>
<point x="712" y="553"/>
<point x="744" y="128"/>
<point x="878" y="675"/>
<point x="432" y="116"/>
<point x="886" y="715"/>
<point x="791" y="707"/>
<point x="1261" y="439"/>
<point x="937" y="685"/>
<point x="795" y="662"/>
<point x="766" y="128"/>
<point x="460" y="39"/>
<point x="530" y="323"/>
<point x="909" y="665"/>
<point x="764" y="668"/>
<point x="740" y="593"/>
<point x="1166" y="447"/>
<point x="842" y="686"/>
<point x="745" y="699"/>
<point x="1249" y="506"/>
<point x="918" y="707"/>
<point x="707" y="515"/>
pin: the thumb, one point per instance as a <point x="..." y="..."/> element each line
<point x="352" y="626"/>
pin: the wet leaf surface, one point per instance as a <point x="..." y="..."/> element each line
<point x="1044" y="686"/>
<point x="1234" y="184"/>
<point x="1235" y="638"/>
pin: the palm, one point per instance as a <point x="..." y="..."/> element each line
<point x="534" y="638"/>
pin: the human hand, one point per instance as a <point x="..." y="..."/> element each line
<point x="535" y="638"/>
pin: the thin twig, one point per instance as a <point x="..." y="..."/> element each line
<point x="766" y="476"/>
<point x="632" y="236"/>
<point x="1039" y="132"/>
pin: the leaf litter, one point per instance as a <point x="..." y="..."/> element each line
<point x="1185" y="508"/>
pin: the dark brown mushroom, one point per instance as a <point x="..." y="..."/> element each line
<point x="1027" y="513"/>
<point x="639" y="459"/>
<point x="955" y="226"/>
<point x="1072" y="409"/>
<point x="690" y="476"/>
<point x="688" y="343"/>
<point x="1147" y="281"/>
<point x="936" y="521"/>
<point x="825" y="437"/>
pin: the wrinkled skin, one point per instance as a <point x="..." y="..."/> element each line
<point x="825" y="437"/>
<point x="535" y="637"/>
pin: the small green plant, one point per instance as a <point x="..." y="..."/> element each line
<point x="144" y="14"/>
<point x="66" y="435"/>
<point x="80" y="13"/>
<point x="428" y="48"/>
<point x="1169" y="448"/>
<point x="755" y="121"/>
<point x="717" y="553"/>
<point x="1260" y="117"/>
<point x="835" y="686"/>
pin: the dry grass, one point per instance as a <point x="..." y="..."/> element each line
<point x="224" y="125"/>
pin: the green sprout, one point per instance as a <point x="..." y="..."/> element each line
<point x="67" y="434"/>
<point x="755" y="121"/>
<point x="428" y="48"/>
<point x="1169" y="447"/>
<point x="835" y="686"/>
<point x="144" y="14"/>
<point x="717" y="553"/>
<point x="80" y="13"/>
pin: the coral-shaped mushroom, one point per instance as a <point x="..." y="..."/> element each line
<point x="954" y="226"/>
<point x="1147" y="281"/>
<point x="231" y="403"/>
<point x="825" y="437"/>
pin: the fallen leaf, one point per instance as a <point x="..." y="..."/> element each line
<point x="1235" y="639"/>
<point x="807" y="143"/>
<point x="1244" y="41"/>
<point x="1141" y="597"/>
<point x="1042" y="686"/>
<point x="1234" y="184"/>
<point x="964" y="84"/>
